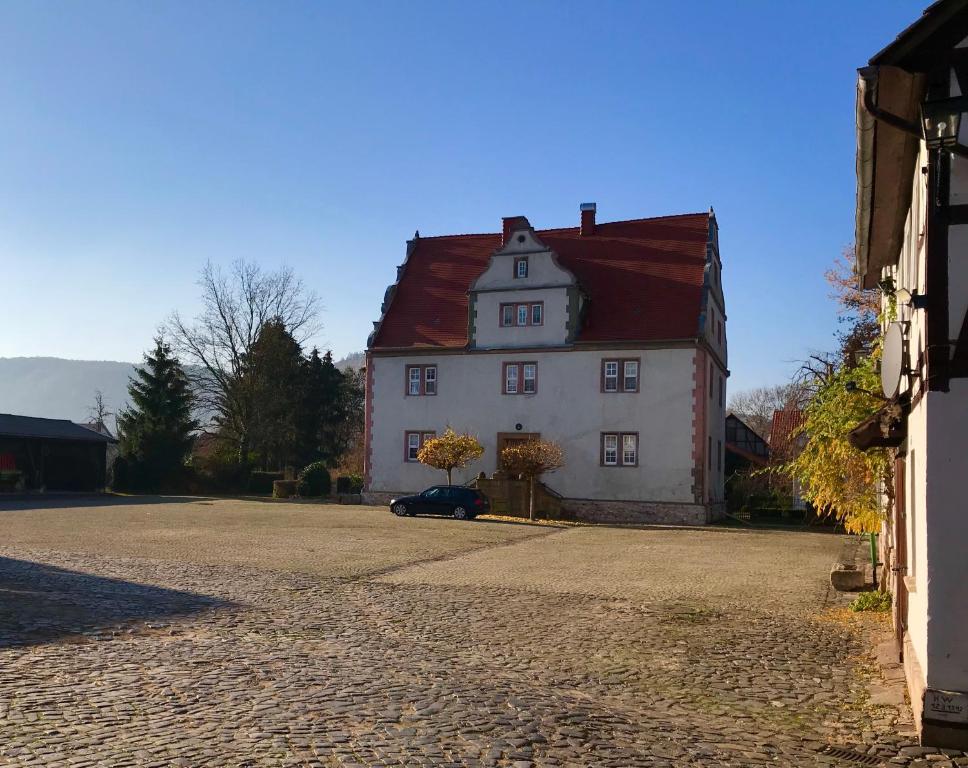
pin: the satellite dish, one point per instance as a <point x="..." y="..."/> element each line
<point x="892" y="360"/>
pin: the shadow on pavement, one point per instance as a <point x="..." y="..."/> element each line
<point x="40" y="603"/>
<point x="12" y="503"/>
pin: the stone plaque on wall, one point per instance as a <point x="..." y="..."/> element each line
<point x="950" y="706"/>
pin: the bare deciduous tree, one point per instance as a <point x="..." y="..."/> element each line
<point x="755" y="406"/>
<point x="215" y="346"/>
<point x="98" y="411"/>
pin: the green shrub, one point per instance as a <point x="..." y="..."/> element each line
<point x="314" y="480"/>
<point x="872" y="601"/>
<point x="284" y="489"/>
<point x="261" y="482"/>
<point x="349" y="484"/>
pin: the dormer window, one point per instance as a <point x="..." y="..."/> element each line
<point x="522" y="314"/>
<point x="521" y="267"/>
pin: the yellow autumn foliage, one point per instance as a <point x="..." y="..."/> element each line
<point x="837" y="478"/>
<point x="450" y="451"/>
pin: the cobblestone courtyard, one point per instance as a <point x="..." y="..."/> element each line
<point x="214" y="632"/>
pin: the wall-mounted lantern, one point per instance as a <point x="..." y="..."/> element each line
<point x="941" y="120"/>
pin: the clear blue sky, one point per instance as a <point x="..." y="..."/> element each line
<point x="138" y="140"/>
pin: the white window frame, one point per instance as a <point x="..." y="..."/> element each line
<point x="523" y="312"/>
<point x="533" y="378"/>
<point x="507" y="314"/>
<point x="413" y="381"/>
<point x="430" y="381"/>
<point x="626" y="461"/>
<point x="537" y="313"/>
<point x="613" y="438"/>
<point x="510" y="382"/>
<point x="613" y="377"/>
<point x="518" y="264"/>
<point x="413" y="445"/>
<point x="626" y="377"/>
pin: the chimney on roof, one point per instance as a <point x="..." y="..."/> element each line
<point x="507" y="228"/>
<point x="587" y="219"/>
<point x="511" y="223"/>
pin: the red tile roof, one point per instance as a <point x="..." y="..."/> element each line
<point x="644" y="280"/>
<point x="785" y="421"/>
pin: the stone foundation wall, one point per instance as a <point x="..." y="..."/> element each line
<point x="597" y="511"/>
<point x="635" y="512"/>
<point x="378" y="498"/>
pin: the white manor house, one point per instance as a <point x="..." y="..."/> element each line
<point x="609" y="338"/>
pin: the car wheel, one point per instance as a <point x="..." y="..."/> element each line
<point x="400" y="510"/>
<point x="460" y="513"/>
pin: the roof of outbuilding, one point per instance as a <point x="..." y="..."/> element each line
<point x="644" y="280"/>
<point x="51" y="429"/>
<point x="785" y="421"/>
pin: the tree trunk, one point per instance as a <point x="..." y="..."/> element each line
<point x="531" y="498"/>
<point x="449" y="469"/>
<point x="244" y="448"/>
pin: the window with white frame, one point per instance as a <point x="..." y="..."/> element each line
<point x="630" y="450"/>
<point x="531" y="313"/>
<point x="620" y="449"/>
<point x="507" y="314"/>
<point x="520" y="378"/>
<point x="510" y="378"/>
<point x="610" y="374"/>
<point x="521" y="267"/>
<point x="630" y="375"/>
<point x="529" y="374"/>
<point x="414" y="441"/>
<point x="620" y="375"/>
<point x="421" y="380"/>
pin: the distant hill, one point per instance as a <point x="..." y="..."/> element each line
<point x="54" y="388"/>
<point x="354" y="360"/>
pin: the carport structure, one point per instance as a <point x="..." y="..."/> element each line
<point x="50" y="455"/>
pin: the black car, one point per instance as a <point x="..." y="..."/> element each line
<point x="453" y="500"/>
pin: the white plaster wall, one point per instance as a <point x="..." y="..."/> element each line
<point x="543" y="270"/>
<point x="916" y="506"/>
<point x="946" y="535"/>
<point x="957" y="277"/>
<point x="568" y="407"/>
<point x="488" y="331"/>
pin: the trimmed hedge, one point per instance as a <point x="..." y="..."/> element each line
<point x="262" y="482"/>
<point x="284" y="489"/>
<point x="314" y="480"/>
<point x="349" y="484"/>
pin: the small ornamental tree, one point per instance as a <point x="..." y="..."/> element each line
<point x="530" y="460"/>
<point x="450" y="451"/>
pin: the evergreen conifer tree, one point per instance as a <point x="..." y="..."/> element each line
<point x="274" y="373"/>
<point x="156" y="431"/>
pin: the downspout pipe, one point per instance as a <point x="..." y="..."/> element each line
<point x="868" y="84"/>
